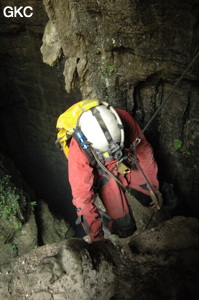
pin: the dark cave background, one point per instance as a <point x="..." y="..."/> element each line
<point x="30" y="92"/>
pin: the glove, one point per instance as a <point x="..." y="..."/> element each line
<point x="87" y="239"/>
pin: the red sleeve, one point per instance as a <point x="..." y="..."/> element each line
<point x="144" y="151"/>
<point x="81" y="178"/>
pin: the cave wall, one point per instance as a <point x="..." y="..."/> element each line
<point x="128" y="53"/>
<point x="111" y="46"/>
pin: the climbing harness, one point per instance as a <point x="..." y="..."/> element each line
<point x="105" y="169"/>
<point x="133" y="157"/>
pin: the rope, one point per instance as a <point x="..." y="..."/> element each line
<point x="149" y="186"/>
<point x="137" y="140"/>
<point x="170" y="93"/>
<point x="105" y="169"/>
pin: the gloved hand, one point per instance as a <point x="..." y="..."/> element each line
<point x="89" y="238"/>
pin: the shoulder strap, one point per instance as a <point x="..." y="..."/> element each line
<point x="87" y="150"/>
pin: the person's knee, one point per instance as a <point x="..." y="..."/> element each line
<point x="124" y="226"/>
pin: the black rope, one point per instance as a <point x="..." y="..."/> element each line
<point x="153" y="195"/>
<point x="170" y="93"/>
<point x="137" y="140"/>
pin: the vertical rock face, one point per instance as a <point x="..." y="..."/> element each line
<point x="130" y="53"/>
<point x="111" y="46"/>
<point x="18" y="228"/>
<point x="32" y="97"/>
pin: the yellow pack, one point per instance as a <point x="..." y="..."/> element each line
<point x="68" y="121"/>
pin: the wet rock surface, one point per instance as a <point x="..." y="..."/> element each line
<point x="160" y="263"/>
<point x="53" y="228"/>
<point x="25" y="221"/>
<point x="18" y="228"/>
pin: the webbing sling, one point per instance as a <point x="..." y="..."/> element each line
<point x="103" y="126"/>
<point x="114" y="148"/>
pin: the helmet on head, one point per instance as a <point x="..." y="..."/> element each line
<point x="103" y="129"/>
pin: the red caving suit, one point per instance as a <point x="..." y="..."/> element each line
<point x="83" y="177"/>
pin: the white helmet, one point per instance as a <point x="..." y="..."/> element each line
<point x="103" y="128"/>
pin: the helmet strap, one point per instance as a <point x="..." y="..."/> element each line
<point x="114" y="148"/>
